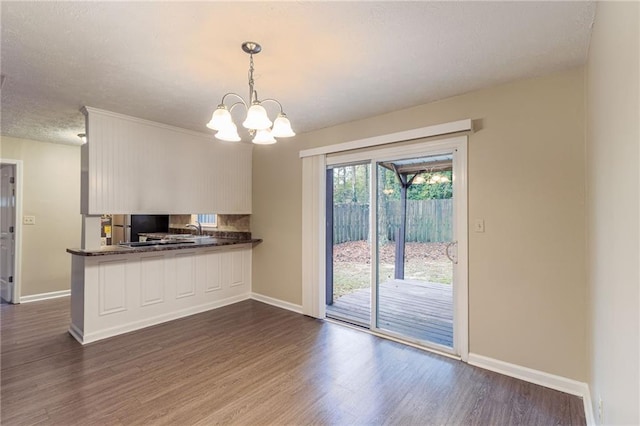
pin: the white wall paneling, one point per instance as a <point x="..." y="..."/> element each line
<point x="116" y="294"/>
<point x="137" y="166"/>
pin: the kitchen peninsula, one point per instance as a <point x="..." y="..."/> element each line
<point x="131" y="166"/>
<point x="118" y="289"/>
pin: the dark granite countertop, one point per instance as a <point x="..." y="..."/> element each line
<point x="119" y="249"/>
<point x="213" y="233"/>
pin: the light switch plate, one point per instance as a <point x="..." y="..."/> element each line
<point x="478" y="225"/>
<point x="29" y="220"/>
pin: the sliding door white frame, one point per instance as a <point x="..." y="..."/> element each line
<point x="458" y="147"/>
<point x="314" y="162"/>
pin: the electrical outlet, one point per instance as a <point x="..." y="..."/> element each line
<point x="29" y="220"/>
<point x="600" y="410"/>
<point x="478" y="225"/>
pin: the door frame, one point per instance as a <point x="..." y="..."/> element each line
<point x="313" y="208"/>
<point x="452" y="144"/>
<point x="17" y="258"/>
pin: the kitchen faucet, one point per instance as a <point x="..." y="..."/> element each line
<point x="197" y="227"/>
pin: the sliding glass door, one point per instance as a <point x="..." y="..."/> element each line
<point x="348" y="245"/>
<point x="394" y="225"/>
<point x="414" y="230"/>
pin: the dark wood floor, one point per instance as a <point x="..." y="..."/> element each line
<point x="419" y="310"/>
<point x="248" y="364"/>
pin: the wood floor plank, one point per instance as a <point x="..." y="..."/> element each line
<point x="245" y="364"/>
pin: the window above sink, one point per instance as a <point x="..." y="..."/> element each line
<point x="206" y="220"/>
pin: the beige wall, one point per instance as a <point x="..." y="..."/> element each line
<point x="526" y="180"/>
<point x="51" y="193"/>
<point x="277" y="198"/>
<point x="613" y="214"/>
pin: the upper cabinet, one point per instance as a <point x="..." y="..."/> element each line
<point x="133" y="166"/>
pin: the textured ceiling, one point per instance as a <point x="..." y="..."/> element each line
<point x="327" y="62"/>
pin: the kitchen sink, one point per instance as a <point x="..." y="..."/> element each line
<point x="187" y="237"/>
<point x="154" y="243"/>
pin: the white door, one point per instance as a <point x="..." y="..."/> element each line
<point x="7" y="232"/>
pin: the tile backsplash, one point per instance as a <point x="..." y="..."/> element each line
<point x="226" y="222"/>
<point x="234" y="222"/>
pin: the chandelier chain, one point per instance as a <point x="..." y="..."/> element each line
<point x="252" y="97"/>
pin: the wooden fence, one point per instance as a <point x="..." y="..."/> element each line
<point x="427" y="221"/>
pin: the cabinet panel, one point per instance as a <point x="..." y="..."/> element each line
<point x="213" y="271"/>
<point x="112" y="287"/>
<point x="185" y="264"/>
<point x="236" y="268"/>
<point x="152" y="280"/>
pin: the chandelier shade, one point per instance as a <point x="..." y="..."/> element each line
<point x="229" y="133"/>
<point x="221" y="117"/>
<point x="282" y="127"/>
<point x="264" y="137"/>
<point x="257" y="120"/>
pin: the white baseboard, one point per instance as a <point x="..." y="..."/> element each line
<point x="588" y="408"/>
<point x="75" y="333"/>
<point x="85" y="338"/>
<point x="44" y="296"/>
<point x="277" y="302"/>
<point x="559" y="383"/>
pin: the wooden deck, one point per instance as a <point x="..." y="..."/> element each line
<point x="418" y="310"/>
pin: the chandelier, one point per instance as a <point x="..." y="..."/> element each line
<point x="256" y="121"/>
